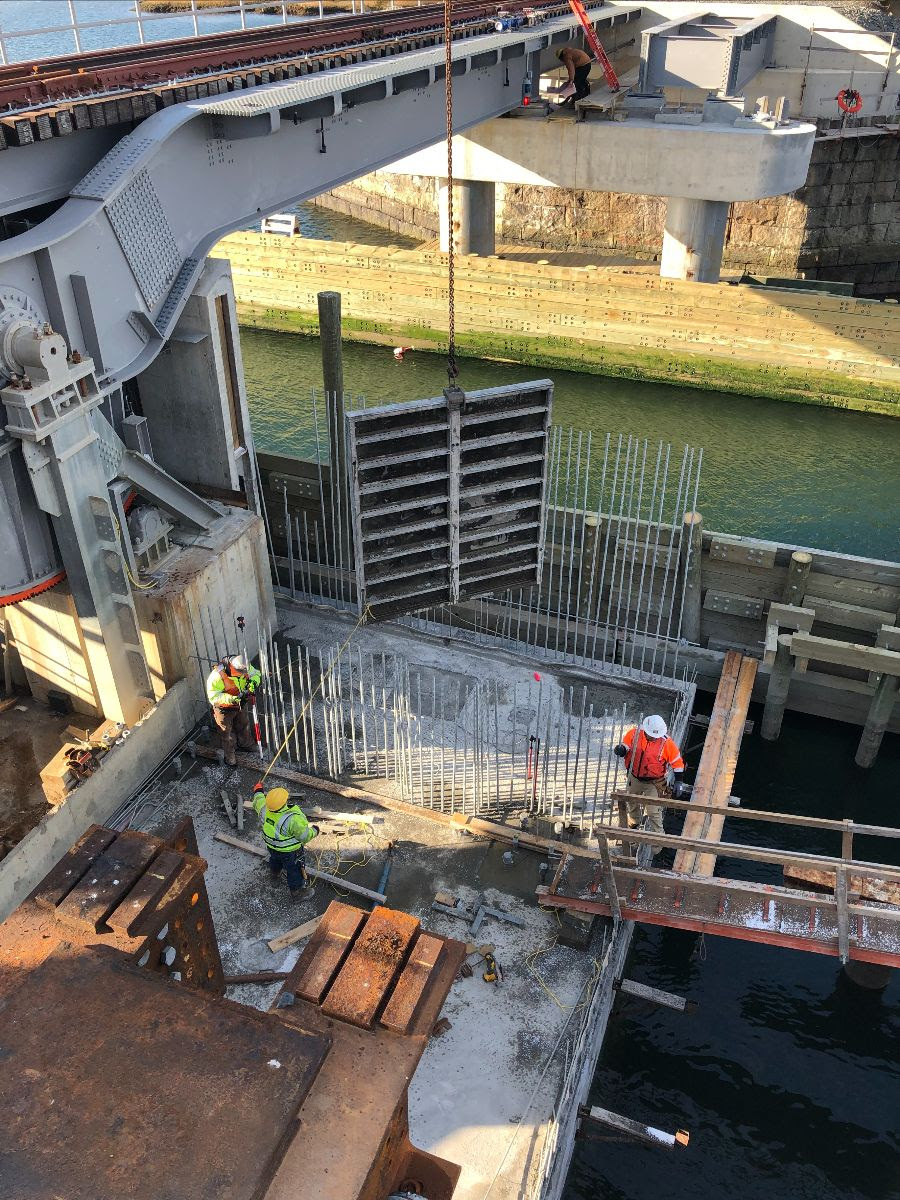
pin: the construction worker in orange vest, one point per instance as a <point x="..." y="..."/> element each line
<point x="648" y="753"/>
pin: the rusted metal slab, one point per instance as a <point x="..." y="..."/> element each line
<point x="127" y="916"/>
<point x="115" y="1084"/>
<point x="111" y="875"/>
<point x="363" y="982"/>
<point x="56" y="885"/>
<point x="326" y="950"/>
<point x="408" y="997"/>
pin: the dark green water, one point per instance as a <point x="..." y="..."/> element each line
<point x="811" y="476"/>
<point x="788" y="1077"/>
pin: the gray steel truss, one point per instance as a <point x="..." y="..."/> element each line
<point x="114" y="266"/>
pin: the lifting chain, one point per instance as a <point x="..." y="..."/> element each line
<point x="452" y="367"/>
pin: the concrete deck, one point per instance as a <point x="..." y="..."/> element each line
<point x="476" y="1080"/>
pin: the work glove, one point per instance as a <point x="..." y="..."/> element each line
<point x="620" y="751"/>
<point x="317" y="829"/>
<point x="680" y="791"/>
<point x="258" y="787"/>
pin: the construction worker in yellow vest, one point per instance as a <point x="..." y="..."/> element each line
<point x="230" y="687"/>
<point x="286" y="832"/>
<point x="648" y="753"/>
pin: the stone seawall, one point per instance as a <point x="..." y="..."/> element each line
<point x="843" y="225"/>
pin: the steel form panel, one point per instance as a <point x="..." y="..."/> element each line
<point x="448" y="544"/>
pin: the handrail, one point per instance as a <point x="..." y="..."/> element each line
<point x="761" y="814"/>
<point x="75" y="25"/>
<point x="737" y="850"/>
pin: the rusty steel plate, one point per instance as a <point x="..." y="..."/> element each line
<point x="114" y="1083"/>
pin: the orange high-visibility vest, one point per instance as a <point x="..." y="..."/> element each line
<point x="650" y="757"/>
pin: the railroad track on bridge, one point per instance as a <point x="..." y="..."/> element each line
<point x="55" y="83"/>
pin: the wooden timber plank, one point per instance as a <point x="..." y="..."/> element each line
<point x="111" y="875"/>
<point x="369" y="970"/>
<point x="311" y="871"/>
<point x="847" y="616"/>
<point x="715" y="773"/>
<point x="329" y="945"/>
<point x="845" y="654"/>
<point x="297" y="934"/>
<point x="862" y="592"/>
<point x="57" y="884"/>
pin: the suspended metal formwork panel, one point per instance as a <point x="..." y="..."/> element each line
<point x="448" y="496"/>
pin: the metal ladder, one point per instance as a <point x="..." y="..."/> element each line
<point x="594" y="42"/>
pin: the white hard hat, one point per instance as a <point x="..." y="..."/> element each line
<point x="238" y="662"/>
<point x="654" y="727"/>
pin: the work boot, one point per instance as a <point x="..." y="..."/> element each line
<point x="246" y="747"/>
<point x="303" y="893"/>
<point x="230" y="761"/>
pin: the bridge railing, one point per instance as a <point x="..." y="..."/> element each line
<point x="193" y="20"/>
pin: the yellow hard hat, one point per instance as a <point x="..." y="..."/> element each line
<point x="277" y="799"/>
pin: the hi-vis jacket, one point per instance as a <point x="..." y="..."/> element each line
<point x="649" y="758"/>
<point x="285" y="830"/>
<point x="227" y="691"/>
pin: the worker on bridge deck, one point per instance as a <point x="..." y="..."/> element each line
<point x="649" y="753"/>
<point x="286" y="832"/>
<point x="230" y="688"/>
<point x="578" y="65"/>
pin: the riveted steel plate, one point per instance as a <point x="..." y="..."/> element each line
<point x="146" y="238"/>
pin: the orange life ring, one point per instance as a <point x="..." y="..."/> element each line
<point x="849" y="100"/>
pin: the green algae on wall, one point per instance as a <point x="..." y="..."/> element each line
<point x="774" y="382"/>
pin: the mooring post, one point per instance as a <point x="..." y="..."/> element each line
<point x="777" y="691"/>
<point x="333" y="378"/>
<point x="798" y="574"/>
<point x="876" y="722"/>
<point x="691" y="548"/>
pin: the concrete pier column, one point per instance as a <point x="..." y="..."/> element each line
<point x="694" y="239"/>
<point x="473" y="216"/>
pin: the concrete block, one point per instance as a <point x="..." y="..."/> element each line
<point x="47" y="632"/>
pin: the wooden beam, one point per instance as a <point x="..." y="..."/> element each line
<point x="846" y="654"/>
<point x="338" y="882"/>
<point x="630" y="987"/>
<point x="294" y="935"/>
<point x="718" y="762"/>
<point x="673" y="841"/>
<point x="763" y="814"/>
<point x="637" y="1130"/>
<point x="848" y="616"/>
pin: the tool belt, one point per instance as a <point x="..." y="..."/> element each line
<point x="661" y="784"/>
